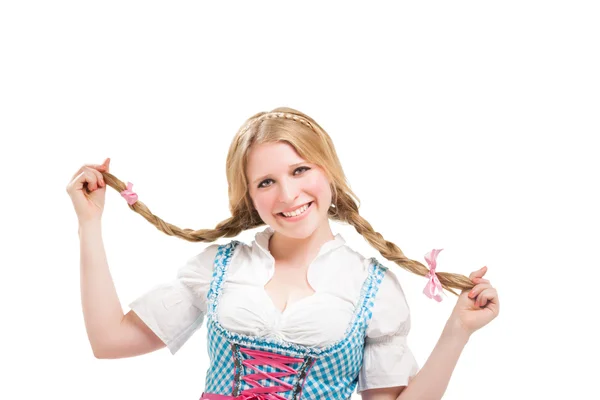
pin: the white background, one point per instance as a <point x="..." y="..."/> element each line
<point x="466" y="126"/>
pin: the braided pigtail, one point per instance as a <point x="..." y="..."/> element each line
<point x="228" y="228"/>
<point x="348" y="212"/>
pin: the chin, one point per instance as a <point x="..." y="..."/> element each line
<point x="298" y="233"/>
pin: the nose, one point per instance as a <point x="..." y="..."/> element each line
<point x="288" y="191"/>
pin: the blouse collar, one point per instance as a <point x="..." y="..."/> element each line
<point x="262" y="241"/>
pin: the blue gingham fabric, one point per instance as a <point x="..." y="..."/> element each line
<point x="329" y="372"/>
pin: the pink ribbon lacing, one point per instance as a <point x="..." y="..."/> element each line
<point x="259" y="392"/>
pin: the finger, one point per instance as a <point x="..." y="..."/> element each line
<point x="87" y="181"/>
<point x="95" y="180"/>
<point x="99" y="167"/>
<point x="105" y="166"/>
<point x="478" y="289"/>
<point x="487" y="295"/>
<point x="479" y="273"/>
<point x="76" y="183"/>
<point x="480" y="280"/>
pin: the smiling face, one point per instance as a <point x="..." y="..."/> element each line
<point x="280" y="181"/>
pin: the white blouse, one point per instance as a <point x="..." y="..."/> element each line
<point x="175" y="310"/>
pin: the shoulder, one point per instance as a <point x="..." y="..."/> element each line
<point x="389" y="284"/>
<point x="197" y="271"/>
<point x="206" y="259"/>
<point x="391" y="312"/>
<point x="352" y="262"/>
<point x="245" y="262"/>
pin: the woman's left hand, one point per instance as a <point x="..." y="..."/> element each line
<point x="476" y="308"/>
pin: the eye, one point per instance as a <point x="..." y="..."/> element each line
<point x="299" y="168"/>
<point x="261" y="185"/>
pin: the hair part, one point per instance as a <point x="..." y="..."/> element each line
<point x="313" y="144"/>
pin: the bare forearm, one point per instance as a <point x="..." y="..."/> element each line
<point x="102" y="310"/>
<point x="431" y="381"/>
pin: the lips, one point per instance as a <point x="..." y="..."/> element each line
<point x="309" y="204"/>
<point x="296" y="208"/>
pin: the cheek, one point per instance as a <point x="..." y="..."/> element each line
<point x="320" y="188"/>
<point x="263" y="204"/>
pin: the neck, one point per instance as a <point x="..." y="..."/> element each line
<point x="295" y="250"/>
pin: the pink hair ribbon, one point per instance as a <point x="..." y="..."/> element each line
<point x="129" y="195"/>
<point x="433" y="289"/>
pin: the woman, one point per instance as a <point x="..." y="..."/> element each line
<point x="295" y="314"/>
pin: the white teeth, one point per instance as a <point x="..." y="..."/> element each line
<point x="297" y="212"/>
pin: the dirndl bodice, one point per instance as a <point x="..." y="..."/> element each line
<point x="246" y="367"/>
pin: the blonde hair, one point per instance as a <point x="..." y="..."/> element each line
<point x="313" y="144"/>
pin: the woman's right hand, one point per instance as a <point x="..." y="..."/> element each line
<point x="88" y="191"/>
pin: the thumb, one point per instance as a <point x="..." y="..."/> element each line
<point x="479" y="273"/>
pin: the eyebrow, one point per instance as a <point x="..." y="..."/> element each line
<point x="290" y="166"/>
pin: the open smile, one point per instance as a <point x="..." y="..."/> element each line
<point x="305" y="209"/>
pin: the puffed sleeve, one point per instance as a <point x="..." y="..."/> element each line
<point x="175" y="310"/>
<point x="387" y="360"/>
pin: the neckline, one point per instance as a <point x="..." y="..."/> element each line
<point x="262" y="241"/>
<point x="285" y="311"/>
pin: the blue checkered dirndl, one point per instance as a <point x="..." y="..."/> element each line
<point x="329" y="372"/>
